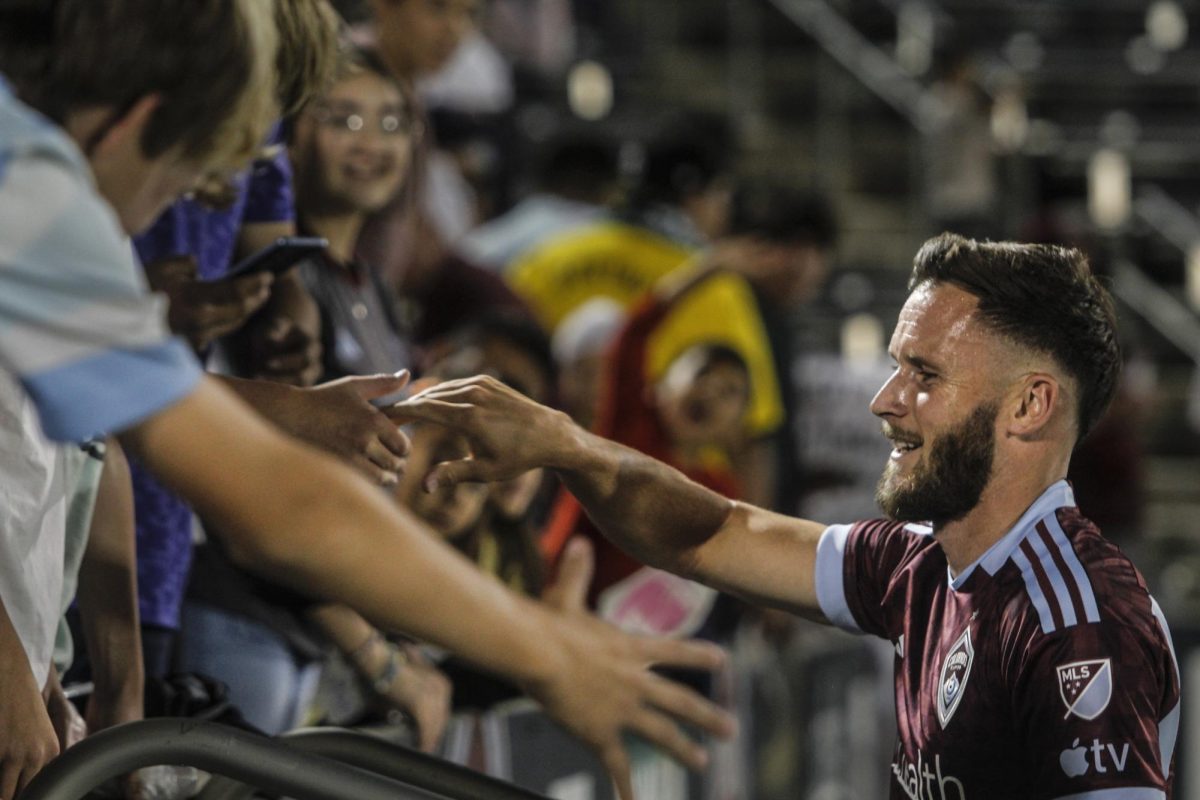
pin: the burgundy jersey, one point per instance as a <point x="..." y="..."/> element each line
<point x="1044" y="670"/>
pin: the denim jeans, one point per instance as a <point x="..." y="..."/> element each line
<point x="271" y="687"/>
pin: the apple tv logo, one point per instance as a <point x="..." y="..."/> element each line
<point x="1074" y="760"/>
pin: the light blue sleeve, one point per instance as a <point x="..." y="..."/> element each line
<point x="78" y="325"/>
<point x="830" y="578"/>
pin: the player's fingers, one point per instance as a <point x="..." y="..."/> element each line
<point x="449" y="385"/>
<point x="683" y="653"/>
<point x="464" y="390"/>
<point x="452" y="473"/>
<point x="427" y="410"/>
<point x="685" y="705"/>
<point x="662" y="732"/>
<point x="370" y="387"/>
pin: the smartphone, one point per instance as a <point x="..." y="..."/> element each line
<point x="279" y="256"/>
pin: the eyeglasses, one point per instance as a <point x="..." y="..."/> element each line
<point x="355" y="122"/>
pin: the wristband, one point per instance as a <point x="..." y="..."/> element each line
<point x="387" y="676"/>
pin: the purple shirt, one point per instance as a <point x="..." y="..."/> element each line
<point x="164" y="530"/>
<point x="1044" y="670"/>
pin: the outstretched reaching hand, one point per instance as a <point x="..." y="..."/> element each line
<point x="603" y="687"/>
<point x="509" y="434"/>
<point x="664" y="702"/>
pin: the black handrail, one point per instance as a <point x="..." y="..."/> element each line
<point x="408" y="766"/>
<point x="247" y="757"/>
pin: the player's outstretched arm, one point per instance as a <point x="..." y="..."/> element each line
<point x="648" y="509"/>
<point x="301" y="517"/>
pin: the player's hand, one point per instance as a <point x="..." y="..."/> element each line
<point x="338" y="416"/>
<point x="603" y="687"/>
<point x="28" y="740"/>
<point x="423" y="692"/>
<point x="203" y="311"/>
<point x="282" y="351"/>
<point x="509" y="434"/>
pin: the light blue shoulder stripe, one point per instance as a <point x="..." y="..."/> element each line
<point x="1035" y="591"/>
<point x="1057" y="582"/>
<point x="1075" y="566"/>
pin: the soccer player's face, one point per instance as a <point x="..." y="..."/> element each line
<point x="939" y="409"/>
<point x="947" y="483"/>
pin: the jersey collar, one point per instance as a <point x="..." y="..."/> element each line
<point x="1056" y="496"/>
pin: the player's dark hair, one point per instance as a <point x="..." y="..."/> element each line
<point x="1042" y="297"/>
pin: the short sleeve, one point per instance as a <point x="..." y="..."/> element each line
<point x="1089" y="701"/>
<point x="858" y="568"/>
<point x="78" y="326"/>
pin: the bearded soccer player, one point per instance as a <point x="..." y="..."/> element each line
<point x="1031" y="660"/>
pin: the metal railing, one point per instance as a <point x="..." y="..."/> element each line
<point x="1163" y="311"/>
<point x="433" y="776"/>
<point x="872" y="66"/>
<point x="323" y="767"/>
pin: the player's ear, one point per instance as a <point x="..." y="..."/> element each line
<point x="1035" y="402"/>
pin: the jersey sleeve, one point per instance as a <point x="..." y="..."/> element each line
<point x="78" y="326"/>
<point x="1092" y="702"/>
<point x="857" y="571"/>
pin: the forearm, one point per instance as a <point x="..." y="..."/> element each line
<point x="108" y="599"/>
<point x="356" y="639"/>
<point x="648" y="509"/>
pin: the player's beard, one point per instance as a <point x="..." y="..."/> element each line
<point x="949" y="482"/>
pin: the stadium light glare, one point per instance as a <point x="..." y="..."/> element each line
<point x="1166" y="26"/>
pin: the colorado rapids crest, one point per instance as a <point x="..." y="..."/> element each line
<point x="956" y="669"/>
